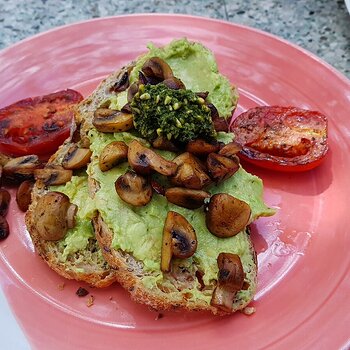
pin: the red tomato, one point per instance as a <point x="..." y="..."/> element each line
<point x="282" y="138"/>
<point x="37" y="125"/>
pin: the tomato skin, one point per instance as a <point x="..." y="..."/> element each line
<point x="282" y="138"/>
<point x="37" y="125"/>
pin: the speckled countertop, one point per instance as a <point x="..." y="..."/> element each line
<point x="320" y="26"/>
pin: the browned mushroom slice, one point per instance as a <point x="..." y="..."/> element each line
<point x="221" y="168"/>
<point x="163" y="143"/>
<point x="174" y="83"/>
<point x="157" y="187"/>
<point x="122" y="82"/>
<point x="24" y="195"/>
<point x="52" y="215"/>
<point x="108" y="120"/>
<point x="190" y="172"/>
<point x="230" y="150"/>
<point x="133" y="189"/>
<point x="5" y="199"/>
<point x="157" y="68"/>
<point x="220" y="123"/>
<point x="4" y="228"/>
<point x="179" y="240"/>
<point x="143" y="160"/>
<point x="53" y="176"/>
<point x="230" y="281"/>
<point x="226" y="215"/>
<point x="203" y="94"/>
<point x="21" y="168"/>
<point x="187" y="198"/>
<point x="113" y="154"/>
<point x="202" y="148"/>
<point x="76" y="157"/>
<point x="133" y="89"/>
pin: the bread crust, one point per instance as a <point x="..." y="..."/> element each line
<point x="93" y="274"/>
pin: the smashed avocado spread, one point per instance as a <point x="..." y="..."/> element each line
<point x="77" y="238"/>
<point x="196" y="67"/>
<point x="176" y="114"/>
<point x="138" y="230"/>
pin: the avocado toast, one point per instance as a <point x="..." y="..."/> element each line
<point x="132" y="235"/>
<point x="77" y="254"/>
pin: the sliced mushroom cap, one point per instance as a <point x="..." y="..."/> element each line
<point x="163" y="143"/>
<point x="230" y="150"/>
<point x="187" y="198"/>
<point x="220" y="123"/>
<point x="230" y="281"/>
<point x="24" y="195"/>
<point x="51" y="216"/>
<point x="134" y="189"/>
<point x="133" y="89"/>
<point x="157" y="68"/>
<point x="5" y="199"/>
<point x="109" y="121"/>
<point x="190" y="172"/>
<point x="122" y="82"/>
<point x="174" y="83"/>
<point x="4" y="228"/>
<point x="179" y="239"/>
<point x="53" y="176"/>
<point x="21" y="168"/>
<point x="76" y="157"/>
<point x="114" y="153"/>
<point x="203" y="94"/>
<point x="143" y="160"/>
<point x="157" y="187"/>
<point x="202" y="148"/>
<point x="226" y="215"/>
<point x="221" y="168"/>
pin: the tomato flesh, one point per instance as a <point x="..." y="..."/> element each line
<point x="282" y="138"/>
<point x="37" y="125"/>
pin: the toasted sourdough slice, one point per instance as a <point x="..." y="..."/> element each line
<point x="130" y="237"/>
<point x="78" y="255"/>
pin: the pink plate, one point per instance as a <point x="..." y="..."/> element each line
<point x="304" y="263"/>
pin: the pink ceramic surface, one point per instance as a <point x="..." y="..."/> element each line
<point x="303" y="251"/>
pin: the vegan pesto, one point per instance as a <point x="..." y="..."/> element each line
<point x="176" y="114"/>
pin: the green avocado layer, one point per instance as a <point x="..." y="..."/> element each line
<point x="138" y="230"/>
<point x="196" y="67"/>
<point x="78" y="237"/>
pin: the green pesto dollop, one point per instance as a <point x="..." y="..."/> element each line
<point x="176" y="114"/>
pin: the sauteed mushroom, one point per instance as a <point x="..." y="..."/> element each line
<point x="174" y="83"/>
<point x="54" y="214"/>
<point x="5" y="199"/>
<point x="24" y="195"/>
<point x="157" y="68"/>
<point x="221" y="168"/>
<point x="163" y="143"/>
<point x="76" y="157"/>
<point x="53" y="175"/>
<point x="21" y="168"/>
<point x="143" y="160"/>
<point x="202" y="148"/>
<point x="226" y="215"/>
<point x="230" y="150"/>
<point x="133" y="89"/>
<point x="190" y="172"/>
<point x="230" y="281"/>
<point x="187" y="198"/>
<point x="220" y="123"/>
<point x="179" y="240"/>
<point x="4" y="228"/>
<point x="108" y="120"/>
<point x="122" y="83"/>
<point x="134" y="189"/>
<point x="113" y="154"/>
